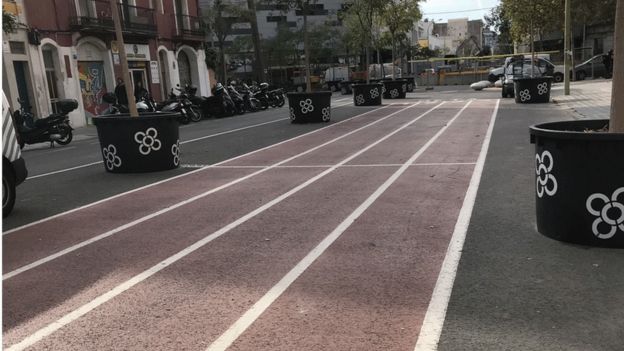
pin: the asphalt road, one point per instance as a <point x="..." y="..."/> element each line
<point x="353" y="235"/>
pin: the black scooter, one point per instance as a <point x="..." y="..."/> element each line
<point x="237" y="99"/>
<point x="54" y="129"/>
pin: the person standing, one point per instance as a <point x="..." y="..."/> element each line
<point x="120" y="92"/>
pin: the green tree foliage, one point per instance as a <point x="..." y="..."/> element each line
<point x="499" y="23"/>
<point x="9" y="22"/>
<point x="398" y="16"/>
<point x="304" y="9"/>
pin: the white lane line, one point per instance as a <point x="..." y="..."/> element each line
<point x="183" y="142"/>
<point x="182" y="203"/>
<point x="436" y="312"/>
<point x="229" y="336"/>
<point x="188" y="173"/>
<point x="84" y="309"/>
<point x="64" y="170"/>
<point x="345" y="166"/>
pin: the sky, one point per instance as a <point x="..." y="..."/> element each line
<point x="473" y="9"/>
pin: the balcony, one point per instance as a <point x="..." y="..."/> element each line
<point x="188" y="28"/>
<point x="96" y="16"/>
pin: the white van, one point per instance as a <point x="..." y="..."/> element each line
<point x="13" y="166"/>
<point x="334" y="75"/>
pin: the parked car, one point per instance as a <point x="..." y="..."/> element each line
<point x="594" y="67"/>
<point x="542" y="67"/>
<point x="13" y="166"/>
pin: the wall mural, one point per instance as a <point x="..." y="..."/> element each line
<point x="92" y="87"/>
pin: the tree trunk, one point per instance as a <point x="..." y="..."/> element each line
<point x="367" y="64"/>
<point x="125" y="72"/>
<point x="306" y="49"/>
<point x="616" y="124"/>
<point x="255" y="36"/>
<point x="223" y="64"/>
<point x="393" y="55"/>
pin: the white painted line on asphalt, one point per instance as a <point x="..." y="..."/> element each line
<point x="342" y="166"/>
<point x="436" y="312"/>
<point x="188" y="173"/>
<point x="183" y="142"/>
<point x="226" y="339"/>
<point x="64" y="170"/>
<point x="182" y="203"/>
<point x="84" y="309"/>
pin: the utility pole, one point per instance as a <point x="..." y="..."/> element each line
<point x="567" y="52"/>
<point x="125" y="72"/>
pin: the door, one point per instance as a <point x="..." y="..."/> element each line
<point x="139" y="80"/>
<point x="92" y="87"/>
<point x="21" y="76"/>
<point x="184" y="69"/>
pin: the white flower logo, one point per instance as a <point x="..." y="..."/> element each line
<point x="147" y="141"/>
<point x="374" y="93"/>
<point x="542" y="88"/>
<point x="394" y="93"/>
<point x="306" y="106"/>
<point x="111" y="158"/>
<point x="525" y="95"/>
<point x="292" y="114"/>
<point x="326" y="114"/>
<point x="544" y="178"/>
<point x="359" y="100"/>
<point x="175" y="151"/>
<point x="611" y="213"/>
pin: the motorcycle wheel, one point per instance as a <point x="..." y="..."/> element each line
<point x="69" y="135"/>
<point x="195" y="114"/>
<point x="264" y="104"/>
<point x="280" y="102"/>
<point x="184" y="119"/>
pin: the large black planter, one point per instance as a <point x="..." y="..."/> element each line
<point x="394" y="89"/>
<point x="579" y="182"/>
<point x="532" y="90"/>
<point x="367" y="94"/>
<point x="310" y="107"/>
<point x="147" y="143"/>
<point x="411" y="84"/>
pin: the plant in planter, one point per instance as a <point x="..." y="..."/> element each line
<point x="359" y="19"/>
<point x="136" y="144"/>
<point x="528" y="17"/>
<point x="398" y="17"/>
<point x="579" y="169"/>
<point x="309" y="105"/>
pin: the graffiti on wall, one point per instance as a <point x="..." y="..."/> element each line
<point x="92" y="87"/>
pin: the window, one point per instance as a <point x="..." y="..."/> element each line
<point x="50" y="72"/>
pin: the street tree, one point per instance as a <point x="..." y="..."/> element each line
<point x="9" y="22"/>
<point x="499" y="23"/>
<point x="303" y="8"/>
<point x="398" y="16"/>
<point x="220" y="18"/>
<point x="361" y="20"/>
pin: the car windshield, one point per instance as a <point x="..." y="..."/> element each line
<point x="595" y="59"/>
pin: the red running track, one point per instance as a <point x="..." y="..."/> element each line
<point x="331" y="241"/>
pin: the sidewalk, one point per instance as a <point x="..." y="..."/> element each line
<point x="516" y="289"/>
<point x="587" y="99"/>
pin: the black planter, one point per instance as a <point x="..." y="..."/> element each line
<point x="579" y="182"/>
<point x="367" y="94"/>
<point x="411" y="84"/>
<point x="310" y="107"/>
<point x="532" y="90"/>
<point x="147" y="143"/>
<point x="394" y="89"/>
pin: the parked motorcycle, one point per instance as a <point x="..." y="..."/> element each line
<point x="261" y="94"/>
<point x="145" y="104"/>
<point x="276" y="98"/>
<point x="54" y="129"/>
<point x="237" y="99"/>
<point x="185" y="107"/>
<point x="251" y="103"/>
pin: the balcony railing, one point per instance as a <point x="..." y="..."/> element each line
<point x="188" y="27"/>
<point x="96" y="15"/>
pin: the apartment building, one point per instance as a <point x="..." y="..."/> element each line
<point x="67" y="49"/>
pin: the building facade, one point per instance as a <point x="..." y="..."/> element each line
<point x="67" y="49"/>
